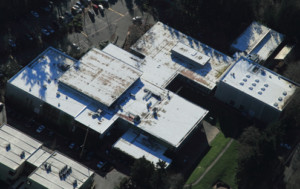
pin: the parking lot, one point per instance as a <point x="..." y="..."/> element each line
<point x="111" y="26"/>
<point x="38" y="29"/>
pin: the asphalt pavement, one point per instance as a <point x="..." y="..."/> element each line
<point x="112" y="25"/>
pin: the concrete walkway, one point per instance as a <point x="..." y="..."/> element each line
<point x="210" y="166"/>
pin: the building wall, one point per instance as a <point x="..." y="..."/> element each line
<point x="34" y="185"/>
<point x="246" y="103"/>
<point x="6" y="173"/>
<point x="25" y="102"/>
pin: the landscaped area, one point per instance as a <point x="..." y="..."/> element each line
<point x="225" y="168"/>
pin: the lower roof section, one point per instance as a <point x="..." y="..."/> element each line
<point x="61" y="172"/>
<point x="138" y="145"/>
<point x="39" y="157"/>
<point x="15" y="147"/>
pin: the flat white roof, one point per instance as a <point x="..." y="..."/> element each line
<point x="258" y="39"/>
<point x="138" y="145"/>
<point x="100" y="76"/>
<point x="42" y="76"/>
<point x="39" y="157"/>
<point x="51" y="178"/>
<point x="40" y="79"/>
<point x="176" y="117"/>
<point x="260" y="83"/>
<point x="283" y="52"/>
<point x="190" y="54"/>
<point x="160" y="67"/>
<point x="18" y="142"/>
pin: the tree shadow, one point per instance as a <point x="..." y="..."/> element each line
<point x="129" y="5"/>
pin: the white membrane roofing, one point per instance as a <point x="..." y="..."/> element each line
<point x="262" y="84"/>
<point x="160" y="66"/>
<point x="138" y="145"/>
<point x="258" y="39"/>
<point x="51" y="178"/>
<point x="100" y="77"/>
<point x="18" y="142"/>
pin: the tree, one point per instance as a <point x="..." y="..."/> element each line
<point x="141" y="173"/>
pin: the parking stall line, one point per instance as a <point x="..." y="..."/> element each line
<point x="116" y="12"/>
<point x="84" y="34"/>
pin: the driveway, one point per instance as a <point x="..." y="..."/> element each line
<point x="110" y="181"/>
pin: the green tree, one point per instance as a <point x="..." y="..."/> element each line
<point x="141" y="173"/>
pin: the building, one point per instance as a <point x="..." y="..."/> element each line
<point x="163" y="54"/>
<point x="100" y="92"/>
<point x="258" y="42"/>
<point x="255" y="90"/>
<point x="16" y="149"/>
<point x="59" y="171"/>
<point x="162" y="124"/>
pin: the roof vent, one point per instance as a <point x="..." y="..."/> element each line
<point x="259" y="92"/>
<point x="256" y="80"/>
<point x="245" y="80"/>
<point x="253" y="84"/>
<point x="290" y="86"/>
<point x="57" y="94"/>
<point x="280" y="98"/>
<point x="137" y="119"/>
<point x="263" y="89"/>
<point x="284" y="93"/>
<point x="242" y="83"/>
<point x="22" y="155"/>
<point x="270" y="76"/>
<point x="75" y="183"/>
<point x="155" y="112"/>
<point x="276" y="104"/>
<point x="248" y="76"/>
<point x="251" y="88"/>
<point x="47" y="167"/>
<point x="266" y="85"/>
<point x="7" y="147"/>
<point x="132" y="95"/>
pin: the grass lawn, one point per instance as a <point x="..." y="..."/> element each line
<point x="217" y="146"/>
<point x="224" y="170"/>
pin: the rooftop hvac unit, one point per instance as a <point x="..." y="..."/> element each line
<point x="137" y="119"/>
<point x="47" y="167"/>
<point x="75" y="183"/>
<point x="7" y="147"/>
<point x="22" y="155"/>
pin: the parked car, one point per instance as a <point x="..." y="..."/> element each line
<point x="101" y="164"/>
<point x="50" y="133"/>
<point x="40" y="129"/>
<point x="35" y="14"/>
<point x="49" y="28"/>
<point x="91" y="13"/>
<point x="80" y="4"/>
<point x="45" y="32"/>
<point x="29" y="37"/>
<point x="89" y="156"/>
<point x="11" y="43"/>
<point x="101" y="8"/>
<point x="95" y="6"/>
<point x="72" y="145"/>
<point x="137" y="19"/>
<point x="75" y="46"/>
<point x="76" y="9"/>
